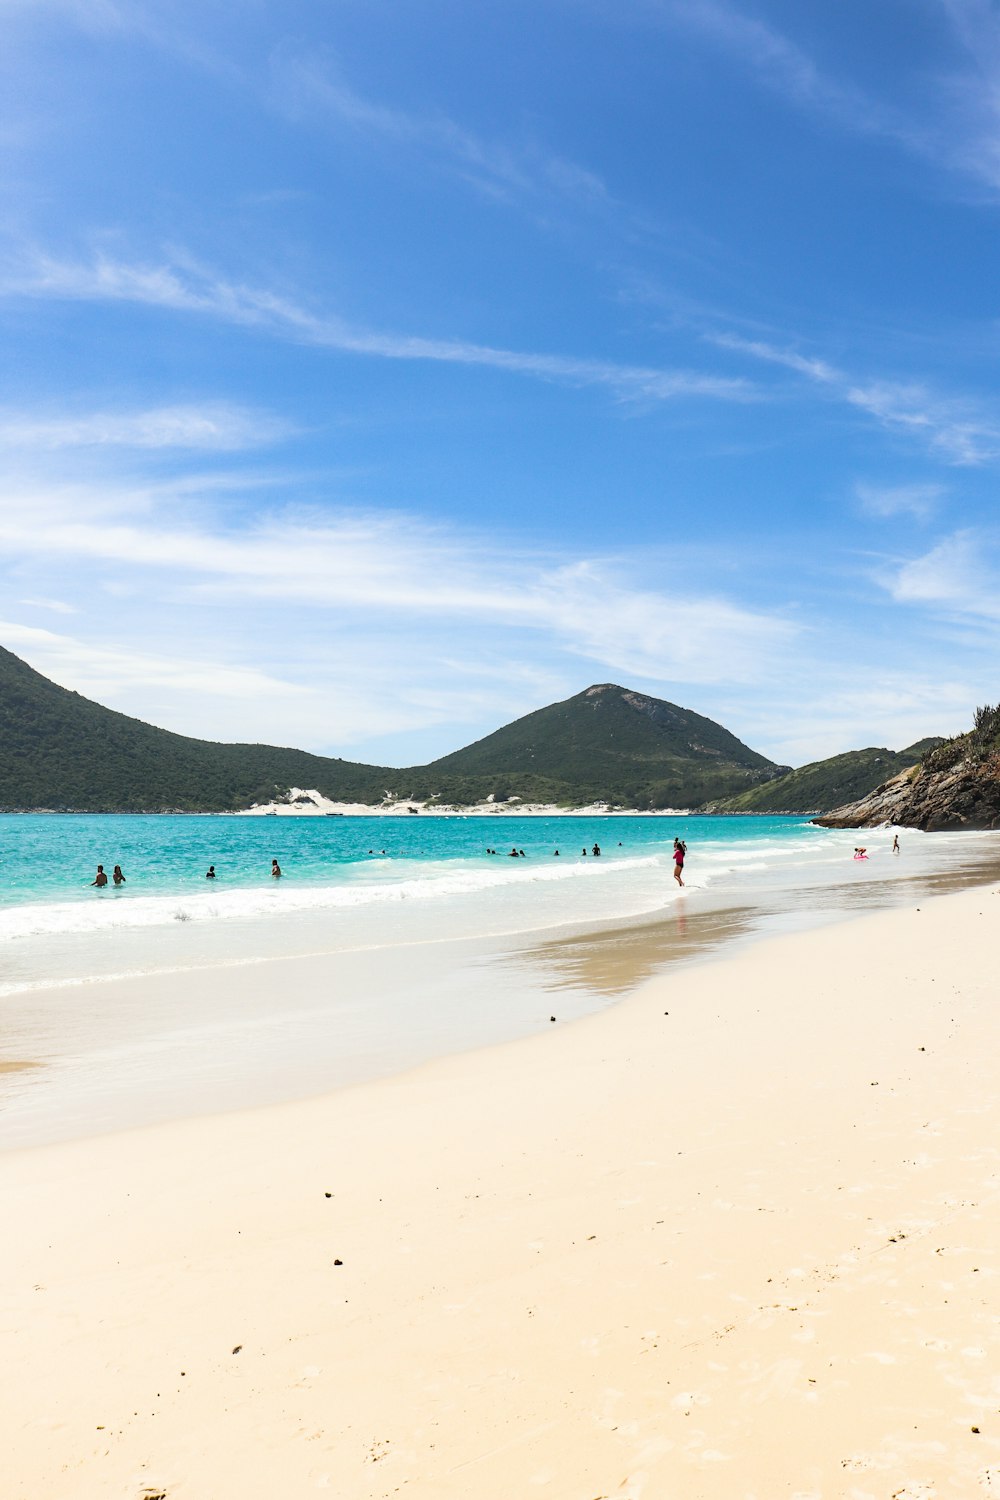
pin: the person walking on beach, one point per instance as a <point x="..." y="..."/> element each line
<point x="680" y="849"/>
<point x="117" y="876"/>
<point x="275" y="869"/>
<point x="895" y="843"/>
<point x="102" y="879"/>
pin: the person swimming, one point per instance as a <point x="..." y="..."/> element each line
<point x="117" y="876"/>
<point x="101" y="880"/>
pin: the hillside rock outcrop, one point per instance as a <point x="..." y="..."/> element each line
<point x="965" y="794"/>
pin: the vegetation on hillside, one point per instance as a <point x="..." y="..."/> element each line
<point x="605" y="744"/>
<point x="825" y="784"/>
<point x="978" y="746"/>
<point x="957" y="786"/>
<point x="62" y="752"/>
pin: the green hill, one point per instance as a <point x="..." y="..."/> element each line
<point x="825" y="784"/>
<point x="606" y="744"/>
<point x="957" y="786"/>
<point x="61" y="751"/>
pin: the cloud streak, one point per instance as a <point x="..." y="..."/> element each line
<point x="952" y="429"/>
<point x="958" y="125"/>
<point x="398" y="569"/>
<point x="958" y="577"/>
<point x="189" y="289"/>
<point x="304" y="87"/>
<point x="887" y="501"/>
<point x="789" y="71"/>
<point x="212" y="427"/>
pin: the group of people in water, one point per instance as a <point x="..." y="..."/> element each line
<point x="679" y="855"/>
<point x="101" y="878"/>
<point x="680" y="850"/>
<point x="516" y="853"/>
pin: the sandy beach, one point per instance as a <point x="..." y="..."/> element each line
<point x="735" y="1237"/>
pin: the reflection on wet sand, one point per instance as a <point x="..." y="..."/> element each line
<point x="623" y="955"/>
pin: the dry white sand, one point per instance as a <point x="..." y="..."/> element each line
<point x="747" y="1249"/>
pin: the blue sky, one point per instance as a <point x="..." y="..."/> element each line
<point x="376" y="373"/>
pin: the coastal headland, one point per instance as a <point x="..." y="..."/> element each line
<point x="734" y="1237"/>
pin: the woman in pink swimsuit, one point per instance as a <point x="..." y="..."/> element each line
<point x="680" y="849"/>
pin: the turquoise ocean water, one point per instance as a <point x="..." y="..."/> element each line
<point x="400" y="940"/>
<point x="363" y="882"/>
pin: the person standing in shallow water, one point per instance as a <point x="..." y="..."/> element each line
<point x="101" y="880"/>
<point x="680" y="850"/>
<point x="117" y="876"/>
<point x="275" y="869"/>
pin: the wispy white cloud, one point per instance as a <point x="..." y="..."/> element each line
<point x="957" y="125"/>
<point x="399" y="568"/>
<point x="57" y="606"/>
<point x="958" y="577"/>
<point x="186" y="287"/>
<point x="886" y="501"/>
<point x="786" y="68"/>
<point x="894" y="708"/>
<point x="953" y="429"/>
<point x="110" y="670"/>
<point x="308" y="87"/>
<point x="214" y="426"/>
<point x="971" y="138"/>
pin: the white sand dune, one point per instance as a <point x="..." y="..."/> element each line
<point x="736" y="1237"/>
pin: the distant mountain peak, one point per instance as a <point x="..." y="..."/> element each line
<point x="606" y="745"/>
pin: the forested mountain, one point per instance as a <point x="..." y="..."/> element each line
<point x="63" y="752"/>
<point x="607" y="744"/>
<point x="825" y="784"/>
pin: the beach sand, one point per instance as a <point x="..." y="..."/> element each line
<point x="737" y="1236"/>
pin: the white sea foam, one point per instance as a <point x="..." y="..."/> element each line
<point x="110" y="910"/>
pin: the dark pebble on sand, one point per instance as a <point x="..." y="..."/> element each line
<point x="551" y="1018"/>
<point x="237" y="1348"/>
<point x="327" y="1195"/>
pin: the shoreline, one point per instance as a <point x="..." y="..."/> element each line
<point x="119" y="1051"/>
<point x="734" y="1236"/>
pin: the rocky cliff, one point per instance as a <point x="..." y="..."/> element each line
<point x="958" y="786"/>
